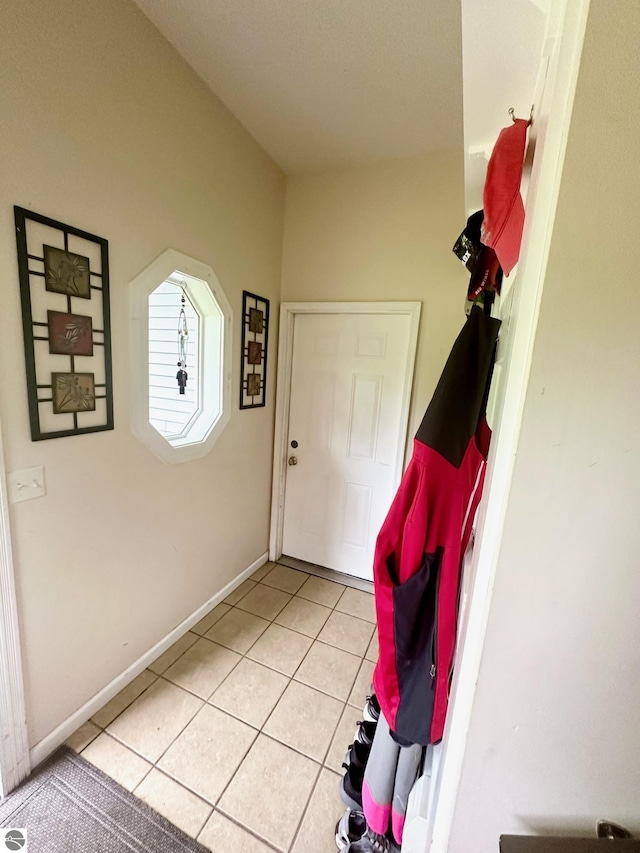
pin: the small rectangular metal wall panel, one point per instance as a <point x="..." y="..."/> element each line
<point x="64" y="288"/>
<point x="255" y="338"/>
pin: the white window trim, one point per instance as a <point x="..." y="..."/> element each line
<point x="197" y="442"/>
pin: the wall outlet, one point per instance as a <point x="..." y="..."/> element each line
<point x="26" y="484"/>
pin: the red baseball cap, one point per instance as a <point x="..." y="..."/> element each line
<point x="486" y="274"/>
<point x="503" y="207"/>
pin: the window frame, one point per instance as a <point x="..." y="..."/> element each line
<point x="209" y="299"/>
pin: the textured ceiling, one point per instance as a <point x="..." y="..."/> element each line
<point x="325" y="83"/>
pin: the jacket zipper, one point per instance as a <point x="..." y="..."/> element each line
<point x="434" y="645"/>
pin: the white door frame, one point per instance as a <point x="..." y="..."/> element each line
<point x="288" y="312"/>
<point x="14" y="745"/>
<point x="537" y="236"/>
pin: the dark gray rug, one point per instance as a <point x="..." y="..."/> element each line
<point x="69" y="806"/>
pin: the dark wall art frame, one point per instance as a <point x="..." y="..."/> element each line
<point x="51" y="274"/>
<point x="255" y="337"/>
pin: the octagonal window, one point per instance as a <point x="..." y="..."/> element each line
<point x="181" y="346"/>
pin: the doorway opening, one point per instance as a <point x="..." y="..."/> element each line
<point x="345" y="373"/>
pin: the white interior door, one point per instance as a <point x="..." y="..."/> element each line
<point x="347" y="427"/>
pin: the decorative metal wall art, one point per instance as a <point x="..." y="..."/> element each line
<point x="255" y="333"/>
<point x="64" y="287"/>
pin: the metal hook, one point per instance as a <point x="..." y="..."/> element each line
<point x="512" y="113"/>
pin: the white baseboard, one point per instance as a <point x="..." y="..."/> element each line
<point x="60" y="734"/>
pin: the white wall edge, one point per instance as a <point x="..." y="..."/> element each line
<point x="532" y="269"/>
<point x="60" y="734"/>
<point x="14" y="745"/>
<point x="288" y="311"/>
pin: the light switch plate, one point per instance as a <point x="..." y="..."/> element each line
<point x="26" y="484"/>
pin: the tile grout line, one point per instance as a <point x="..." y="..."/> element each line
<point x="272" y="711"/>
<point x="320" y="764"/>
<point x="336" y="583"/>
<point x="345" y="704"/>
<point x="291" y="678"/>
<point x="104" y="728"/>
<point x="181" y="785"/>
<point x="184" y="787"/>
<point x="233" y="775"/>
<point x="305" y="810"/>
<point x="335" y="731"/>
<point x="262" y="731"/>
<point x="340" y="716"/>
<point x="242" y="826"/>
<point x="242" y="656"/>
<point x="326" y="574"/>
<point x="313" y="639"/>
<point x="205" y="702"/>
<point x="308" y="804"/>
<point x="191" y="719"/>
<point x="154" y="766"/>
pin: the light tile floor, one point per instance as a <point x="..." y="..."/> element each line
<point x="237" y="732"/>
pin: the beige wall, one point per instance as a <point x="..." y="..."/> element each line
<point x="554" y="742"/>
<point x="105" y="127"/>
<point x="383" y="232"/>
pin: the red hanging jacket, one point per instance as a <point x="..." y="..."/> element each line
<point x="420" y="546"/>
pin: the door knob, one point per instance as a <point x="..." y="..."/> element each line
<point x="293" y="460"/>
